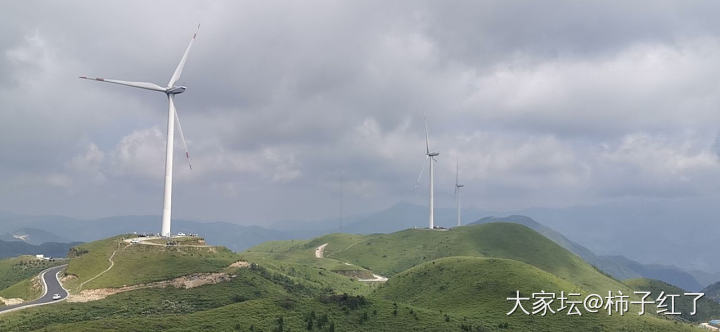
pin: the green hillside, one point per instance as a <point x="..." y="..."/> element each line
<point x="389" y="254"/>
<point x="456" y="280"/>
<point x="16" y="276"/>
<point x="478" y="288"/>
<point x="707" y="309"/>
<point x="138" y="263"/>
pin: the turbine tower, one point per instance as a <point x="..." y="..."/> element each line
<point x="170" y="91"/>
<point x="431" y="158"/>
<point x="458" y="186"/>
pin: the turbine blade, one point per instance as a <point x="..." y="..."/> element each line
<point x="182" y="136"/>
<point x="422" y="170"/>
<point x="142" y="85"/>
<point x="179" y="69"/>
<point x="457" y="171"/>
<point x="427" y="139"/>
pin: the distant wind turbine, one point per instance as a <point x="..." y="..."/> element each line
<point x="430" y="156"/>
<point x="170" y="91"/>
<point x="458" y="187"/>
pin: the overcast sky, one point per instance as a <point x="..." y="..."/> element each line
<point x="545" y="104"/>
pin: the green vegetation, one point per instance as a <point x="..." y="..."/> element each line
<point x="89" y="259"/>
<point x="478" y="288"/>
<point x="712" y="292"/>
<point x="140" y="263"/>
<point x="16" y="276"/>
<point x="389" y="254"/>
<point x="28" y="289"/>
<point x="455" y="280"/>
<point x="707" y="309"/>
<point x="13" y="270"/>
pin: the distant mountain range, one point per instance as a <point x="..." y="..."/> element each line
<point x="41" y="229"/>
<point x="49" y="249"/>
<point x="32" y="236"/>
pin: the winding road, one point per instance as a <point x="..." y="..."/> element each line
<point x="51" y="286"/>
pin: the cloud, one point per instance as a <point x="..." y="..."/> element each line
<point x="542" y="104"/>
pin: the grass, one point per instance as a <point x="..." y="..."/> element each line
<point x="248" y="284"/>
<point x="28" y="289"/>
<point x="390" y="254"/>
<point x="296" y="258"/>
<point x="137" y="263"/>
<point x="13" y="270"/>
<point x="478" y="288"/>
<point x="17" y="276"/>
<point x="707" y="309"/>
<point x="456" y="280"/>
<point x="89" y="259"/>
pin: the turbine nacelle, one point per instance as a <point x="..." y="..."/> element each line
<point x="433" y="154"/>
<point x="175" y="90"/>
<point x="170" y="90"/>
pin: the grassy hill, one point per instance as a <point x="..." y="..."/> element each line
<point x="455" y="280"/>
<point x="138" y="263"/>
<point x="619" y="267"/>
<point x="389" y="254"/>
<point x="478" y="287"/>
<point x="16" y="275"/>
<point x="707" y="309"/>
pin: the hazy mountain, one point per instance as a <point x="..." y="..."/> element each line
<point x="619" y="267"/>
<point x="400" y="216"/>
<point x="32" y="236"/>
<point x="233" y="236"/>
<point x="659" y="231"/>
<point x="705" y="278"/>
<point x="397" y="217"/>
<point x="17" y="248"/>
<point x="713" y="292"/>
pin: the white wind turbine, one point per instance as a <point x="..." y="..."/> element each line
<point x="458" y="187"/>
<point x="430" y="156"/>
<point x="170" y="91"/>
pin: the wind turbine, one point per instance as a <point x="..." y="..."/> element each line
<point x="170" y="91"/>
<point x="458" y="186"/>
<point x="430" y="156"/>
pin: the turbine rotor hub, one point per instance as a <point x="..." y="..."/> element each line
<point x="175" y="90"/>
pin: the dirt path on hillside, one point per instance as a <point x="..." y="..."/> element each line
<point x="186" y="282"/>
<point x="378" y="278"/>
<point x="320" y="251"/>
<point x="112" y="263"/>
<point x="189" y="281"/>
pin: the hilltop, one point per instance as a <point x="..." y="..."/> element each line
<point x="395" y="218"/>
<point x="455" y="280"/>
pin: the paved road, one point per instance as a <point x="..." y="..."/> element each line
<point x="51" y="286"/>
